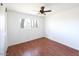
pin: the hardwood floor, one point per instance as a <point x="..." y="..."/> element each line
<point x="41" y="47"/>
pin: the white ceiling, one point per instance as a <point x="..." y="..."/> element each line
<point x="33" y="8"/>
<point x="62" y="6"/>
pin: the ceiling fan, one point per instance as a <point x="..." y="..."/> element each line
<point x="43" y="11"/>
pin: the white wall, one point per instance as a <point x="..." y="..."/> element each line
<point x="63" y="27"/>
<point x="3" y="32"/>
<point x="16" y="34"/>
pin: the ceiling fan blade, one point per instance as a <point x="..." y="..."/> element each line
<point x="48" y="11"/>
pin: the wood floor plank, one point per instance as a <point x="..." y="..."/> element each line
<point x="41" y="47"/>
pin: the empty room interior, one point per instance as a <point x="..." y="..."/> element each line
<point x="39" y="29"/>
